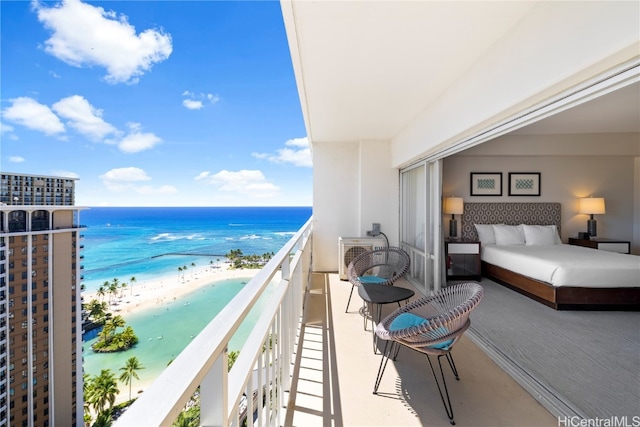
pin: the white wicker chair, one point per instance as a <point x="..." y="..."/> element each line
<point x="431" y="325"/>
<point x="382" y="266"/>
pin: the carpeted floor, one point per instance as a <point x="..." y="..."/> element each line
<point x="584" y="363"/>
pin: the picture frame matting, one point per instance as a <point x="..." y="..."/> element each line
<point x="524" y="183"/>
<point x="486" y="184"/>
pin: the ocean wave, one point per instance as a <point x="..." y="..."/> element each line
<point x="285" y="233"/>
<point x="170" y="237"/>
<point x="251" y="237"/>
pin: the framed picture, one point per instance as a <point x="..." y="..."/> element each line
<point x="486" y="183"/>
<point x="524" y="183"/>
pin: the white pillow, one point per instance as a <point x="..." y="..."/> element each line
<point x="508" y="234"/>
<point x="541" y="235"/>
<point x="486" y="234"/>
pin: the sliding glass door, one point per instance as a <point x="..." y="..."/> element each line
<point x="420" y="224"/>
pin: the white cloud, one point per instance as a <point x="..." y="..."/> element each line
<point x="5" y="128"/>
<point x="192" y="105"/>
<point x="65" y="174"/>
<point x="299" y="155"/>
<point x="83" y="117"/>
<point x="122" y="179"/>
<point x="130" y="174"/>
<point x="298" y="142"/>
<point x="195" y="101"/>
<point x="250" y="183"/>
<point x="87" y="35"/>
<point x="31" y="114"/>
<point x="137" y="140"/>
<point x="16" y="159"/>
<point x="129" y="179"/>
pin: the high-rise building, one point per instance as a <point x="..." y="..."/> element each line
<point x="40" y="302"/>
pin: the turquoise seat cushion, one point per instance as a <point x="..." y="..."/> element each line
<point x="407" y="320"/>
<point x="371" y="279"/>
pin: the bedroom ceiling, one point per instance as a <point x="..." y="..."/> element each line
<point x="618" y="111"/>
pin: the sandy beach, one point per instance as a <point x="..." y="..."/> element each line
<point x="142" y="295"/>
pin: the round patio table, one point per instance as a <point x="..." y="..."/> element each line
<point x="377" y="295"/>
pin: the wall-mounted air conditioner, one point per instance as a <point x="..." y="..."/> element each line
<point x="351" y="247"/>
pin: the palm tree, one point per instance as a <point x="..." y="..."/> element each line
<point x="193" y="265"/>
<point x="179" y="273"/>
<point x="123" y="286"/>
<point x="132" y="280"/>
<point x="97" y="310"/>
<point x="102" y="290"/>
<point x="130" y="371"/>
<point x="102" y="389"/>
<point x="113" y="287"/>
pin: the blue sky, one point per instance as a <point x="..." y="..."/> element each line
<point x="154" y="103"/>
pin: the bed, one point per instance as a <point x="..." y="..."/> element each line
<point x="559" y="275"/>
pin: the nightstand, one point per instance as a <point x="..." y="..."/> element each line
<point x="462" y="259"/>
<point x="611" y="245"/>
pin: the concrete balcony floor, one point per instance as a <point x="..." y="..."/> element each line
<point x="336" y="367"/>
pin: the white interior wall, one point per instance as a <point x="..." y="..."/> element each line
<point x="354" y="186"/>
<point x="605" y="167"/>
<point x="582" y="40"/>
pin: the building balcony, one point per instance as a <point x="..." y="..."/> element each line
<point x="321" y="368"/>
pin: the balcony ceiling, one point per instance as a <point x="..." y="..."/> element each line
<point x="366" y="69"/>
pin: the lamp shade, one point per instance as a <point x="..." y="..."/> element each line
<point x="453" y="205"/>
<point x="592" y="205"/>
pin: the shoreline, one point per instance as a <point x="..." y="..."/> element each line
<point x="160" y="290"/>
<point x="152" y="292"/>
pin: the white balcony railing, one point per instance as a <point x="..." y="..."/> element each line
<point x="263" y="366"/>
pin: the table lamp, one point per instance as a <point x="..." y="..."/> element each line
<point x="453" y="206"/>
<point x="591" y="206"/>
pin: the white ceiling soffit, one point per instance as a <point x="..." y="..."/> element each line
<point x="351" y="50"/>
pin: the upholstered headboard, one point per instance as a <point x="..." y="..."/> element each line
<point x="510" y="214"/>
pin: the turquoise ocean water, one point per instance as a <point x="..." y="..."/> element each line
<point x="147" y="243"/>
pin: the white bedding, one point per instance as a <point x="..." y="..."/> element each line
<point x="567" y="265"/>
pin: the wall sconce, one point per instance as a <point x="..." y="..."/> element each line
<point x="591" y="206"/>
<point x="453" y="206"/>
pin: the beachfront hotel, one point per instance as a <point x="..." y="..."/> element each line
<point x="40" y="311"/>
<point x="405" y="104"/>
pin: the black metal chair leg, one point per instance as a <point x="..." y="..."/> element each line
<point x="453" y="366"/>
<point x="346" y="310"/>
<point x="447" y="402"/>
<point x="383" y="364"/>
